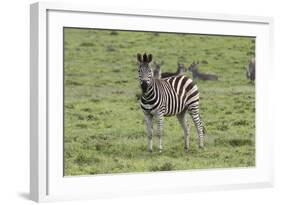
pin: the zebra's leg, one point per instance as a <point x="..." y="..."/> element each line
<point x="160" y="119"/>
<point x="148" y="120"/>
<point x="183" y="122"/>
<point x="194" y="112"/>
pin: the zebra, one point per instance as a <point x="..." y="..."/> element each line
<point x="193" y="68"/>
<point x="251" y="69"/>
<point x="170" y="96"/>
<point x="157" y="71"/>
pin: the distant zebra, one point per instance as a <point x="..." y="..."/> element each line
<point x="193" y="68"/>
<point x="170" y="96"/>
<point x="157" y="71"/>
<point x="251" y="69"/>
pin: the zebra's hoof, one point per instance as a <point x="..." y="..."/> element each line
<point x="186" y="149"/>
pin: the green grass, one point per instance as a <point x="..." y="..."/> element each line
<point x="104" y="130"/>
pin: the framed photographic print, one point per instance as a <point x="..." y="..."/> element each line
<point x="131" y="102"/>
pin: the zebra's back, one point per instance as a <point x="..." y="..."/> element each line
<point x="179" y="92"/>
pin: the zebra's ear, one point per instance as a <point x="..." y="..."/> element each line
<point x="139" y="57"/>
<point x="149" y="58"/>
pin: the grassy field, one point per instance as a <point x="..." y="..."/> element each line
<point x="104" y="130"/>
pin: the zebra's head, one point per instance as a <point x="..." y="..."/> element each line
<point x="193" y="66"/>
<point x="145" y="72"/>
<point x="157" y="69"/>
<point x="181" y="68"/>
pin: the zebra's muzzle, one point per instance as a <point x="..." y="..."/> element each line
<point x="144" y="86"/>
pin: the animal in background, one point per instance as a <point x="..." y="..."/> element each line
<point x="193" y="68"/>
<point x="251" y="69"/>
<point x="157" y="69"/>
<point x="181" y="70"/>
<point x="158" y="74"/>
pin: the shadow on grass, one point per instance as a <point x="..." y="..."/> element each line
<point x="24" y="195"/>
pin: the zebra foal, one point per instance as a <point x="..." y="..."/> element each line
<point x="170" y="96"/>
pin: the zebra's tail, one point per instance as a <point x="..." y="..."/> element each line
<point x="204" y="129"/>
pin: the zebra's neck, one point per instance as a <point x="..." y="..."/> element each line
<point x="150" y="98"/>
<point x="149" y="90"/>
<point x="194" y="74"/>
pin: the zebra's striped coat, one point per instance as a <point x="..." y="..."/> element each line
<point x="167" y="97"/>
<point x="179" y="93"/>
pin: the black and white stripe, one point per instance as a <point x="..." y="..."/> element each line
<point x="170" y="96"/>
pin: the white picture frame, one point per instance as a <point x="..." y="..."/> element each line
<point x="46" y="175"/>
